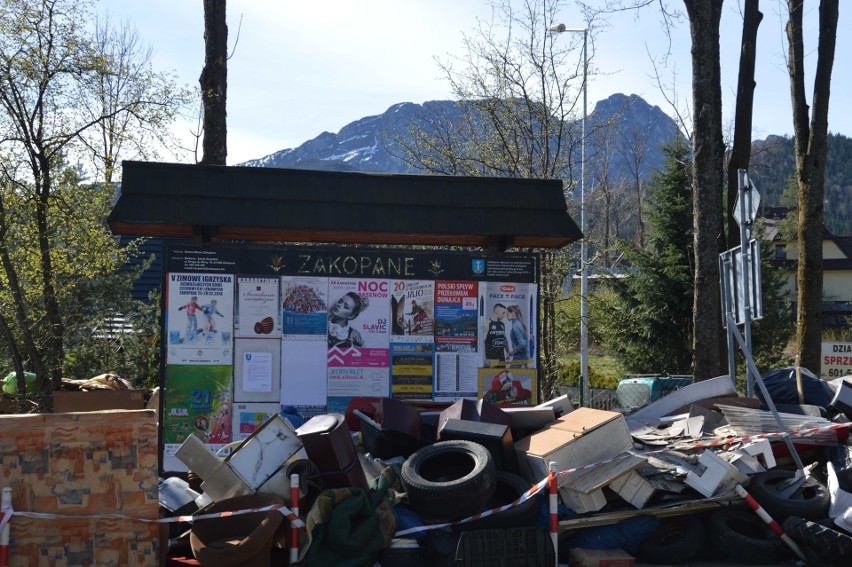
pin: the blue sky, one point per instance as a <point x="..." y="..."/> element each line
<point x="301" y="68"/>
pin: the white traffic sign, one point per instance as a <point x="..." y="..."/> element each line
<point x="751" y="198"/>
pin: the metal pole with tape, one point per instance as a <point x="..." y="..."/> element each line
<point x="554" y="512"/>
<point x="773" y="525"/>
<point x="294" y="530"/>
<point x="5" y="516"/>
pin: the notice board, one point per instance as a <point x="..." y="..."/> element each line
<point x="252" y="329"/>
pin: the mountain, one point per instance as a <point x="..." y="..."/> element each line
<point x="369" y="144"/>
<point x="629" y="150"/>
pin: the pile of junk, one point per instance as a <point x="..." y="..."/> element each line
<point x="701" y="474"/>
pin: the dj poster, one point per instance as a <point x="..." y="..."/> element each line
<point x="358" y="331"/>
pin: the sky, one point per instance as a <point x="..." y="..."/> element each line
<point x="300" y="68"/>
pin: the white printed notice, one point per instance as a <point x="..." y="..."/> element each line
<point x="200" y="318"/>
<point x="257" y="372"/>
<point x="257" y="308"/>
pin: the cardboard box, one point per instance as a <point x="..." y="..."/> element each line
<point x="579" y="557"/>
<point x="80" y="467"/>
<point x="582" y="437"/>
<point x="97" y="400"/>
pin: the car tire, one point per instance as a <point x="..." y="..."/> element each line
<point x="508" y="488"/>
<point x="820" y="540"/>
<point x="742" y="536"/>
<point x="810" y="501"/>
<point x="449" y="480"/>
<point x="676" y="541"/>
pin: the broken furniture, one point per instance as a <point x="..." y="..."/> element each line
<point x="243" y="540"/>
<point x="328" y="444"/>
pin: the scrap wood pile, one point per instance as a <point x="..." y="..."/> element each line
<point x="675" y="481"/>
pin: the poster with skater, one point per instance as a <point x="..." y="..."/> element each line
<point x="412" y="311"/>
<point x="508" y="386"/>
<point x="200" y="318"/>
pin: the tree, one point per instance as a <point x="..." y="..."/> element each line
<point x="130" y="105"/>
<point x="740" y="156"/>
<point x="648" y="325"/>
<point x="518" y="88"/>
<point x="811" y="149"/>
<point x="708" y="153"/>
<point x="53" y="235"/>
<point x="214" y="83"/>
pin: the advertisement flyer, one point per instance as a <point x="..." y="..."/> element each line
<point x="200" y="318"/>
<point x="257" y="308"/>
<point x="456" y="316"/>
<point x="411" y="371"/>
<point x="503" y="386"/>
<point x="198" y="400"/>
<point x="358" y="332"/>
<point x="412" y="311"/>
<point x="347" y="383"/>
<point x="304" y="306"/>
<point x="505" y="322"/>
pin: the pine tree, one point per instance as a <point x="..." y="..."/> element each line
<point x="647" y="321"/>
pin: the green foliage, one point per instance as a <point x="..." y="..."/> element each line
<point x="773" y="169"/>
<point x="604" y="372"/>
<point x="646" y="318"/>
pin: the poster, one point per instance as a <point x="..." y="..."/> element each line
<point x="504" y="334"/>
<point x="200" y="318"/>
<point x="257" y="308"/>
<point x="249" y="416"/>
<point x="303" y="373"/>
<point x="456" y="323"/>
<point x="197" y="400"/>
<point x="411" y="371"/>
<point x="347" y="383"/>
<point x="412" y="311"/>
<point x="358" y="332"/>
<point x="304" y="306"/>
<point x="456" y="376"/>
<point x="508" y="386"/>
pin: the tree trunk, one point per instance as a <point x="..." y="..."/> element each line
<point x="811" y="144"/>
<point x="214" y="83"/>
<point x="708" y="178"/>
<point x="741" y="149"/>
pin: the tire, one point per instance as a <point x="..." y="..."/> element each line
<point x="508" y="488"/>
<point x="810" y="501"/>
<point x="821" y="541"/>
<point x="742" y="536"/>
<point x="449" y="480"/>
<point x="676" y="541"/>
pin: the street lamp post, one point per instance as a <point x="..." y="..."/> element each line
<point x="584" y="278"/>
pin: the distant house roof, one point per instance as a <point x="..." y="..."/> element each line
<point x="214" y="203"/>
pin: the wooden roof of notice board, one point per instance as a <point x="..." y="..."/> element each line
<point x="215" y="203"/>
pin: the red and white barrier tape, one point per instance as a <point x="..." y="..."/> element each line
<point x="280" y="507"/>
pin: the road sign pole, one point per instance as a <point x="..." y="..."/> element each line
<point x="746" y="208"/>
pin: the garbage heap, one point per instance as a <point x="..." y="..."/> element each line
<point x="700" y="474"/>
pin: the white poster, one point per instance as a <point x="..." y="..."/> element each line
<point x="200" y="318"/>
<point x="257" y="308"/>
<point x="257" y="372"/>
<point x="303" y="373"/>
